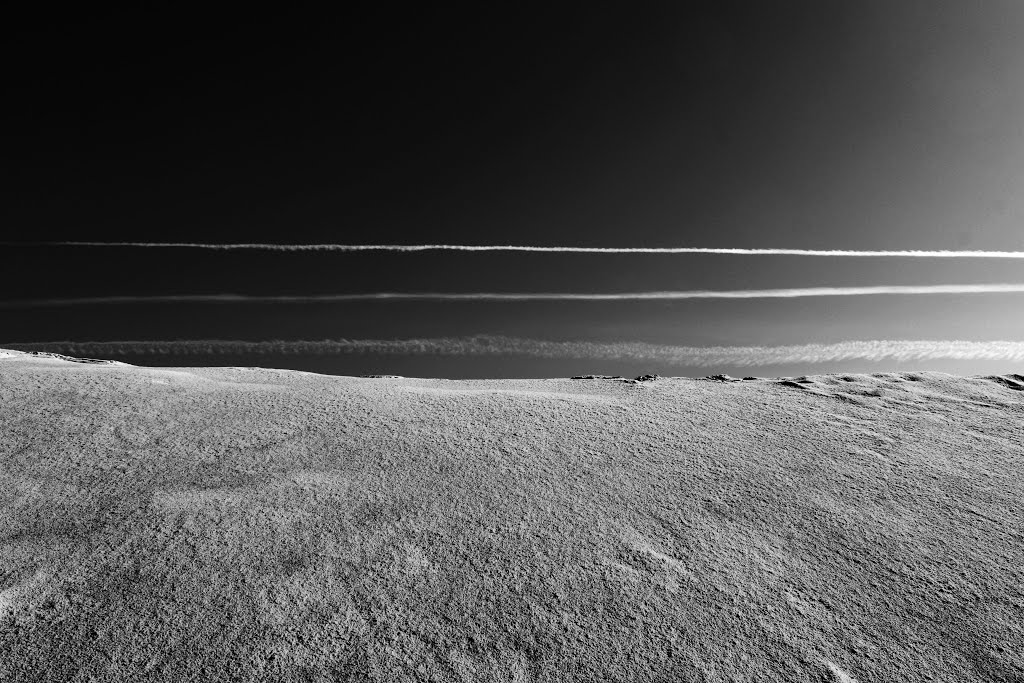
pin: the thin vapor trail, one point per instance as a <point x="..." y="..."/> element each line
<point x="910" y="253"/>
<point x="693" y="356"/>
<point x="1004" y="288"/>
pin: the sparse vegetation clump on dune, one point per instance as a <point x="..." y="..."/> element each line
<point x="261" y="525"/>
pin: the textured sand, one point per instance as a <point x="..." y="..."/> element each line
<point x="241" y="524"/>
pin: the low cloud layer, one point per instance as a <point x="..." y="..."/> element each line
<point x="911" y="253"/>
<point x="692" y="356"/>
<point x="790" y="293"/>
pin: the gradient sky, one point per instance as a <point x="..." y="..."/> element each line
<point x="824" y="124"/>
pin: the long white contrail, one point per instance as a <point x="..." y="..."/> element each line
<point x="790" y="293"/>
<point x="910" y="253"/>
<point x="693" y="356"/>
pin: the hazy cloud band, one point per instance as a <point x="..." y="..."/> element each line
<point x="912" y="253"/>
<point x="693" y="356"/>
<point x="1005" y="288"/>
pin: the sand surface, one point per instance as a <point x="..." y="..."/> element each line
<point x="264" y="525"/>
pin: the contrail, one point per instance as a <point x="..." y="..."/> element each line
<point x="1005" y="288"/>
<point x="910" y="253"/>
<point x="693" y="356"/>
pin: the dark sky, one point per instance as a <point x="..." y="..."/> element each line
<point x="819" y="124"/>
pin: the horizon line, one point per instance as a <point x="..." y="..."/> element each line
<point x="866" y="253"/>
<point x="497" y="345"/>
<point x="784" y="293"/>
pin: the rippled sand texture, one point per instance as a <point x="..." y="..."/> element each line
<point x="243" y="524"/>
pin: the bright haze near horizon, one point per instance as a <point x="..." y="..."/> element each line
<point x="804" y="125"/>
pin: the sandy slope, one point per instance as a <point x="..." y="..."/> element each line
<point x="238" y="524"/>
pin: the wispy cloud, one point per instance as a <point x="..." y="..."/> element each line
<point x="689" y="356"/>
<point x="910" y="253"/>
<point x="790" y="293"/>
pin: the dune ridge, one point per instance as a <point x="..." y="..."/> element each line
<point x="174" y="524"/>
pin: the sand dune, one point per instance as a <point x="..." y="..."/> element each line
<point x="246" y="524"/>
